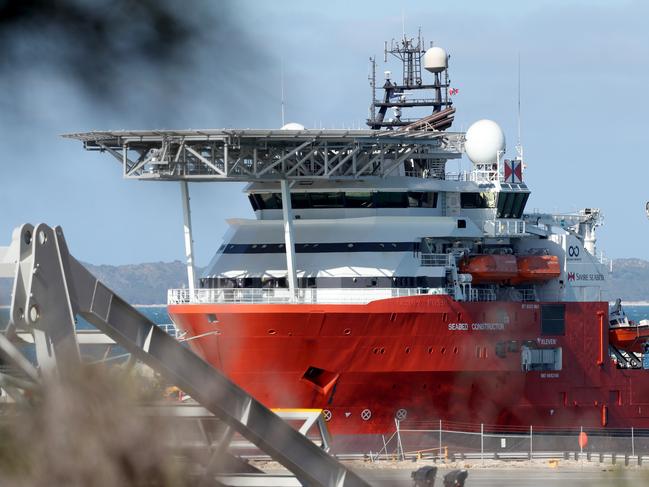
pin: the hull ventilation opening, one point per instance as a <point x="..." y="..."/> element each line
<point x="320" y="379"/>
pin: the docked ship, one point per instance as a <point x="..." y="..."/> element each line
<point x="377" y="285"/>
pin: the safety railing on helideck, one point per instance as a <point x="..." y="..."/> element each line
<point x="283" y="295"/>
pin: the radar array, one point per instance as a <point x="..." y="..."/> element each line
<point x="396" y="96"/>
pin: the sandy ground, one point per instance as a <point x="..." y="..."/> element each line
<point x="543" y="473"/>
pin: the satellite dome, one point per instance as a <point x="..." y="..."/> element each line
<point x="435" y="60"/>
<point x="484" y="140"/>
<point x="293" y="126"/>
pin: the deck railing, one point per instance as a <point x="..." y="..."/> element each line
<point x="283" y="295"/>
<point x="435" y="260"/>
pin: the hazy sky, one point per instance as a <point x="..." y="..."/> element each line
<point x="585" y="74"/>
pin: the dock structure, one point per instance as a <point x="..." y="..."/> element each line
<point x="51" y="288"/>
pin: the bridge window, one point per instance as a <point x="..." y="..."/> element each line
<point x="359" y="200"/>
<point x="326" y="200"/>
<point x="511" y="205"/>
<point x="478" y="200"/>
<point x="354" y="199"/>
<point x="390" y="200"/>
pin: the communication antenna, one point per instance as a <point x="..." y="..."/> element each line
<point x="281" y="69"/>
<point x="519" y="145"/>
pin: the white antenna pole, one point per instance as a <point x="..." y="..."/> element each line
<point x="519" y="146"/>
<point x="282" y="83"/>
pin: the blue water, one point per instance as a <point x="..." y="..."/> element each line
<point x="637" y="313"/>
<point x="157" y="314"/>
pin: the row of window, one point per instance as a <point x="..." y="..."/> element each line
<point x="321" y="248"/>
<point x="509" y="205"/>
<point x="324" y="282"/>
<point x="355" y="199"/>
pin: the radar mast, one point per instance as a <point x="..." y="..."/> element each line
<point x="398" y="95"/>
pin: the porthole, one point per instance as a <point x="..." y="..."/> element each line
<point x="442" y="350"/>
<point x="366" y="414"/>
<point x="326" y="414"/>
<point x="347" y="331"/>
<point x="272" y="332"/>
<point x="407" y="350"/>
<point x="455" y="350"/>
<point x="401" y="414"/>
<point x="430" y="350"/>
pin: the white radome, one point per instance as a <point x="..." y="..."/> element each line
<point x="435" y="60"/>
<point x="484" y="140"/>
<point x="293" y="126"/>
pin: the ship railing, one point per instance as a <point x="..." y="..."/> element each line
<point x="478" y="294"/>
<point x="436" y="260"/>
<point x="283" y="295"/>
<point x="527" y="295"/>
<point x="472" y="176"/>
<point x="504" y="227"/>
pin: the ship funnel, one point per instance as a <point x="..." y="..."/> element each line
<point x="435" y="60"/>
<point x="485" y="140"/>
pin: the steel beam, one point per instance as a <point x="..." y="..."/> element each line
<point x="62" y="288"/>
<point x="289" y="237"/>
<point x="250" y="155"/>
<point x="189" y="240"/>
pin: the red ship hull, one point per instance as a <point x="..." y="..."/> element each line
<point x="430" y="356"/>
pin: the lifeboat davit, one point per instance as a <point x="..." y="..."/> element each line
<point x="498" y="268"/>
<point x="488" y="268"/>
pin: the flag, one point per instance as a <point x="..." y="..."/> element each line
<point x="513" y="171"/>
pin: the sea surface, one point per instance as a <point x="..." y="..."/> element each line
<point x="157" y="314"/>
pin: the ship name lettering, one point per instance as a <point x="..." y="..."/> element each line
<point x="458" y="326"/>
<point x="476" y="326"/>
<point x="546" y="341"/>
<point x="549" y="376"/>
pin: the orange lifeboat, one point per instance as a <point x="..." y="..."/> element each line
<point x="486" y="268"/>
<point x="537" y="268"/>
<point x="632" y="338"/>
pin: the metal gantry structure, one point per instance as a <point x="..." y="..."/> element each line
<point x="268" y="155"/>
<point x="398" y="95"/>
<point x="283" y="156"/>
<point x="51" y="288"/>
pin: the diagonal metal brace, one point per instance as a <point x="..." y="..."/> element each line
<point x="61" y="281"/>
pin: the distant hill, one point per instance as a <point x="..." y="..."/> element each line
<point x="630" y="280"/>
<point x="142" y="283"/>
<point x="136" y="283"/>
<point x="148" y="283"/>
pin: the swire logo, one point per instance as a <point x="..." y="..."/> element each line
<point x="571" y="276"/>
